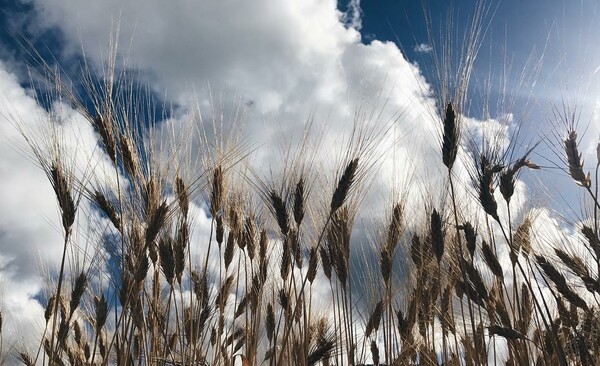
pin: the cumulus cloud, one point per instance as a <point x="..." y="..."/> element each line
<point x="285" y="59"/>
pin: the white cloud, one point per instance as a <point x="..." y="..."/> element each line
<point x="353" y="15"/>
<point x="285" y="58"/>
<point x="423" y="48"/>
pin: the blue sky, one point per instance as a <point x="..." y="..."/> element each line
<point x="560" y="33"/>
<point x="285" y="61"/>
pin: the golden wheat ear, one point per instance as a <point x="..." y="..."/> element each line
<point x="63" y="190"/>
<point x="344" y="185"/>
<point x="574" y="161"/>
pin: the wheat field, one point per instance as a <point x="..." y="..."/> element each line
<point x="280" y="278"/>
